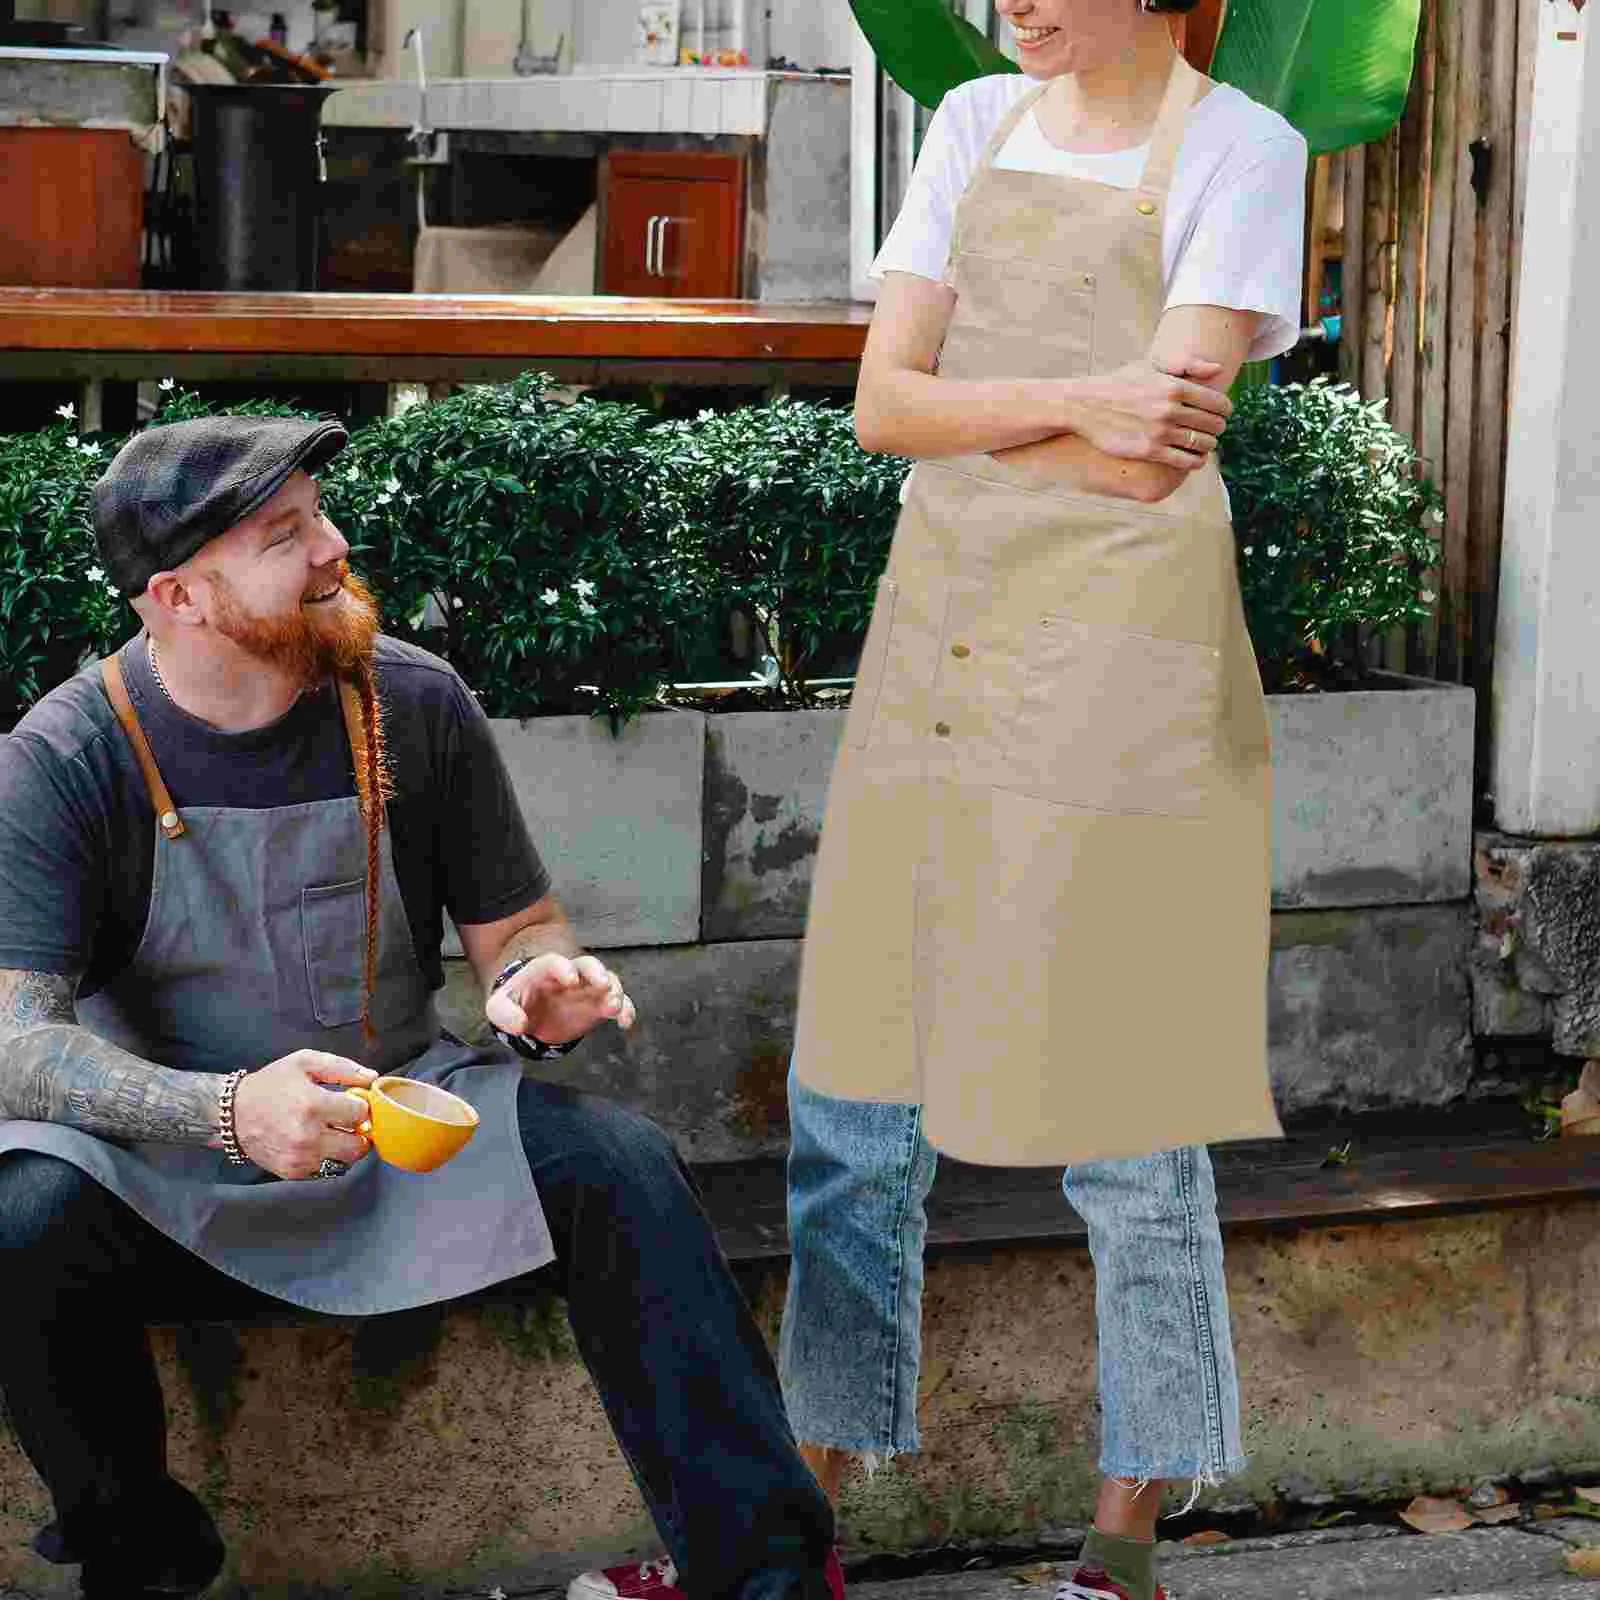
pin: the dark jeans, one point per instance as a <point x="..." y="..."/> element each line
<point x="679" y="1363"/>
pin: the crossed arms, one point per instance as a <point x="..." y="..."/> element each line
<point x="1135" y="433"/>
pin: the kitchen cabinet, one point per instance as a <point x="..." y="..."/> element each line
<point x="674" y="224"/>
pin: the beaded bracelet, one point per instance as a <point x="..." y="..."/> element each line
<point x="230" y="1137"/>
<point x="524" y="1044"/>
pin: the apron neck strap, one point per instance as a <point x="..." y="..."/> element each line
<point x="1008" y="125"/>
<point x="1184" y="88"/>
<point x="116" y="688"/>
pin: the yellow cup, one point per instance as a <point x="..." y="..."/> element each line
<point x="417" y="1126"/>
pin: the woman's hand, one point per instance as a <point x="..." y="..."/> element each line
<point x="1140" y="413"/>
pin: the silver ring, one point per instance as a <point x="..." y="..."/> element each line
<point x="332" y="1169"/>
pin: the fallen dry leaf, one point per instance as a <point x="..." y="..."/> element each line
<point x="1506" y="1513"/>
<point x="1591" y="1493"/>
<point x="1429" y="1515"/>
<point x="1584" y="1563"/>
<point x="1207" y="1536"/>
<point x="1034" y="1572"/>
<point x="1580" y="1115"/>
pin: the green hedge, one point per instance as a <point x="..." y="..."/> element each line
<point x="583" y="556"/>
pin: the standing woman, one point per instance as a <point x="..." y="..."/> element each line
<point x="1040" y="917"/>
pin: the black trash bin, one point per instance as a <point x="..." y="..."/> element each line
<point x="258" y="184"/>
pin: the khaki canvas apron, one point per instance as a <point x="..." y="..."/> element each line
<point x="1041" y="903"/>
<point x="254" y="947"/>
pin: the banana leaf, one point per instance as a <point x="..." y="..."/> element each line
<point x="1339" y="70"/>
<point x="925" y="47"/>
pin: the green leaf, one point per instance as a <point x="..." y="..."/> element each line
<point x="1339" y="70"/>
<point x="925" y="47"/>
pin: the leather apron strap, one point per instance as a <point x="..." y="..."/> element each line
<point x="167" y="816"/>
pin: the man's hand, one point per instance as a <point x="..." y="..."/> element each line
<point x="1140" y="413"/>
<point x="288" y="1124"/>
<point x="556" y="998"/>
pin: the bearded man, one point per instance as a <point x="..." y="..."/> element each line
<point x="225" y="858"/>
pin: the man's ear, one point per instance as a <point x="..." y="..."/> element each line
<point x="169" y="596"/>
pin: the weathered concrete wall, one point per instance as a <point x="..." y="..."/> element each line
<point x="1374" y="1360"/>
<point x="806" y="209"/>
<point x="1367" y="1010"/>
<point x="1536" y="958"/>
<point x="1370" y="1009"/>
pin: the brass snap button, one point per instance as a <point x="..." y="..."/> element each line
<point x="1088" y="280"/>
<point x="1146" y="208"/>
<point x="960" y="651"/>
<point x="942" y="729"/>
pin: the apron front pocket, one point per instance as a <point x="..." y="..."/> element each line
<point x="333" y="921"/>
<point x="869" y="671"/>
<point x="1118" y="720"/>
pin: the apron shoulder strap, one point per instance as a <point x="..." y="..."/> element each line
<point x="997" y="142"/>
<point x="116" y="688"/>
<point x="1184" y="89"/>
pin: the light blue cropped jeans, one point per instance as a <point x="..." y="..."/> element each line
<point x="859" y="1173"/>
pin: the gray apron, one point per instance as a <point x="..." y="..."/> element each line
<point x="253" y="948"/>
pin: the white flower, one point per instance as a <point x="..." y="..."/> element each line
<point x="167" y="385"/>
<point x="551" y="597"/>
<point x="384" y="499"/>
<point x="1273" y="550"/>
<point x="353" y="474"/>
<point x="1436" y="517"/>
<point x="95" y="574"/>
<point x="87" y="448"/>
<point x="584" y="588"/>
<point x="1249" y="549"/>
<point x="1428" y="597"/>
<point x="585" y="609"/>
<point x="392" y="487"/>
<point x="67" y="412"/>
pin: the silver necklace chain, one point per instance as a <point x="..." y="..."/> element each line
<point x="150" y="656"/>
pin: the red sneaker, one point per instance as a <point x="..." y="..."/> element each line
<point x="1090" y="1583"/>
<point x="658" y="1580"/>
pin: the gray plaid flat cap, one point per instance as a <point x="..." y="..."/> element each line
<point x="172" y="489"/>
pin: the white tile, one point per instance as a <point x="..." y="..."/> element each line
<point x="677" y="99"/>
<point x="635" y="106"/>
<point x="705" y="106"/>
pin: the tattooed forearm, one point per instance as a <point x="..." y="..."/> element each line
<point x="53" y="1070"/>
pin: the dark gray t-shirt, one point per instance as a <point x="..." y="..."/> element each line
<point x="77" y="832"/>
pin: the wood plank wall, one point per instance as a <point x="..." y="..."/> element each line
<point x="1432" y="233"/>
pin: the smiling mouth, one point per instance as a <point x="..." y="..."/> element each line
<point x="324" y="598"/>
<point x="1032" y="35"/>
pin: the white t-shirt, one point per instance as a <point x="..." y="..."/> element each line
<point x="1232" y="235"/>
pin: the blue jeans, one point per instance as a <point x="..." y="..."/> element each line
<point x="678" y="1360"/>
<point x="859" y="1174"/>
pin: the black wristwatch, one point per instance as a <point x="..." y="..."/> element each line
<point x="524" y="1044"/>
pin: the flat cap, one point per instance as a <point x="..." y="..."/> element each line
<point x="173" y="488"/>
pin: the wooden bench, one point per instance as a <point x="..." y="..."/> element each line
<point x="95" y="335"/>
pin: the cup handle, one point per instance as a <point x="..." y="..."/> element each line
<point x="364" y="1127"/>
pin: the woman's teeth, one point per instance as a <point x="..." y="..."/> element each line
<point x="1032" y="35"/>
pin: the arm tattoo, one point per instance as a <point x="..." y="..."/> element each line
<point x="53" y="1070"/>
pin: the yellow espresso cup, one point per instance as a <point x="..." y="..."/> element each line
<point x="417" y="1126"/>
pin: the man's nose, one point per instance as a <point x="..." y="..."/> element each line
<point x="334" y="546"/>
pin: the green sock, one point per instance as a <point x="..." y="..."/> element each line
<point x="1130" y="1562"/>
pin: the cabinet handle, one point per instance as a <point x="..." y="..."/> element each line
<point x="650" y="247"/>
<point x="661" y="247"/>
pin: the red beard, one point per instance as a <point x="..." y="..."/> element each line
<point x="309" y="648"/>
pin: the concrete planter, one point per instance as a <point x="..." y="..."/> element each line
<point x="1372" y="795"/>
<point x="700" y="832"/>
<point x="617" y="817"/>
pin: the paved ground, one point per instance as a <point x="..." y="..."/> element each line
<point x="1526" y="1562"/>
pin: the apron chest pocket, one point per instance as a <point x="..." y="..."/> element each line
<point x="333" y="921"/>
<point x="1118" y="721"/>
<point x="869" y="670"/>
